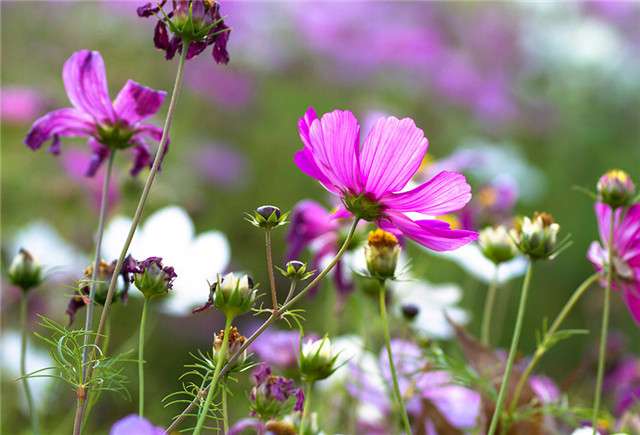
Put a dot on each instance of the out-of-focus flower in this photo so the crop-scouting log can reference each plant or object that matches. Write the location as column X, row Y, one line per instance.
column 278, row 348
column 75, row 163
column 135, row 425
column 433, row 303
column 370, row 186
column 492, row 205
column 231, row 294
column 615, row 188
column 536, row 237
column 221, row 165
column 108, row 126
column 273, row 397
column 25, row 271
column 497, row 245
column 235, row 340
column 544, row 388
column 317, row 359
column 622, row 381
column 381, row 254
column 152, row 278
column 197, row 23
column 196, row 259
column 626, row 253
column 20, row 105
column 234, row 89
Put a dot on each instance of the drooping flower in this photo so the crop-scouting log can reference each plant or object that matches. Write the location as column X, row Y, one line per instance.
column 109, row 126
column 196, row 22
column 626, row 252
column 134, row 424
column 370, row 179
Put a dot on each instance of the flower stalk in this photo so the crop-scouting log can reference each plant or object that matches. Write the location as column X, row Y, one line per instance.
column 513, row 350
column 143, row 321
column 307, row 408
column 272, row 278
column 488, row 308
column 24, row 322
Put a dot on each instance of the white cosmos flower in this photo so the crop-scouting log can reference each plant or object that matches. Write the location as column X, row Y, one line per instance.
column 37, row 359
column 433, row 302
column 169, row 233
column 471, row 259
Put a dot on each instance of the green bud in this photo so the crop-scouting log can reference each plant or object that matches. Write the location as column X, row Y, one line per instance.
column 317, row 360
column 268, row 217
column 25, row 272
column 537, row 237
column 234, row 295
column 616, row 188
column 381, row 254
column 296, row 270
column 497, row 245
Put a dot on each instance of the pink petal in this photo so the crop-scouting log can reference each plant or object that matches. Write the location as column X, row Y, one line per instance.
column 304, row 126
column 603, row 215
column 597, row 256
column 433, row 234
column 62, row 122
column 444, row 193
column 305, row 162
column 149, row 130
column 85, row 81
column 135, row 102
column 334, row 146
column 631, row 295
column 391, row 155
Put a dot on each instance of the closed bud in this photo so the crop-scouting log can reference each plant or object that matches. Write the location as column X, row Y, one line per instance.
column 616, row 188
column 268, row 217
column 296, row 270
column 25, row 272
column 317, row 360
column 536, row 237
column 381, row 254
column 231, row 294
column 152, row 278
column 497, row 245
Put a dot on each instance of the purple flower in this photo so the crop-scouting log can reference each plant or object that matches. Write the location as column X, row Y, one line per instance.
column 19, row 105
column 273, row 396
column 108, row 126
column 221, row 165
column 370, row 179
column 626, row 253
column 278, row 348
column 135, row 425
column 152, row 278
column 197, row 21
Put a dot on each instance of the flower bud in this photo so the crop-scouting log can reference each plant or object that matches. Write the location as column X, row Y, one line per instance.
column 410, row 311
column 231, row 294
column 281, row 427
column 152, row 278
column 25, row 272
column 273, row 397
column 268, row 217
column 381, row 254
column 615, row 188
column 296, row 270
column 317, row 360
column 236, row 340
column 497, row 245
column 537, row 237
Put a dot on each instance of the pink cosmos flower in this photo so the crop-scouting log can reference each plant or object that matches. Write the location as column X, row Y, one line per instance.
column 108, row 126
column 19, row 104
column 626, row 252
column 371, row 179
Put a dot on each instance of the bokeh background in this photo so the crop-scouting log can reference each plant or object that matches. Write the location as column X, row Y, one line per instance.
column 554, row 87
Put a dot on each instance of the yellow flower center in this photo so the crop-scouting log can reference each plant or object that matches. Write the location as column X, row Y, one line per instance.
column 380, row 238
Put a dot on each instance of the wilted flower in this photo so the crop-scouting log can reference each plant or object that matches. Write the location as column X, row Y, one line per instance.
column 626, row 255
column 134, row 424
column 152, row 278
column 108, row 126
column 273, row 397
column 231, row 294
column 235, row 342
column 497, row 245
column 317, row 360
column 536, row 237
column 267, row 216
column 381, row 254
column 370, row 178
column 296, row 270
column 615, row 188
column 194, row 22
column 25, row 272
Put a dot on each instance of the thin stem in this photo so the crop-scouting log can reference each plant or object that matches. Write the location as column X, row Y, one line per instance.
column 272, row 278
column 292, row 290
column 271, row 319
column 512, row 351
column 543, row 346
column 24, row 322
column 143, row 321
column 204, row 411
column 392, row 366
column 225, row 409
column 488, row 308
column 306, row 409
column 605, row 327
column 141, row 203
column 104, row 206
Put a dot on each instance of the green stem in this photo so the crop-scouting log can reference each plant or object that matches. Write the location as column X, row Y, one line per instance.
column 204, row 411
column 225, row 409
column 138, row 215
column 488, row 308
column 143, row 321
column 605, row 327
column 24, row 322
column 306, row 409
column 272, row 278
column 392, row 366
column 512, row 351
column 272, row 318
column 542, row 347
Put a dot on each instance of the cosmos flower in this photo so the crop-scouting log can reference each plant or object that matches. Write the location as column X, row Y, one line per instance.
column 273, row 397
column 134, row 424
column 278, row 348
column 109, row 126
column 370, row 179
column 19, row 104
column 626, row 253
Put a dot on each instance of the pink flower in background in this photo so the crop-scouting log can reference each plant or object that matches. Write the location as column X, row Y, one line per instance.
column 75, row 163
column 108, row 126
column 370, row 178
column 135, row 425
column 626, row 252
column 19, row 105
column 221, row 165
column 233, row 89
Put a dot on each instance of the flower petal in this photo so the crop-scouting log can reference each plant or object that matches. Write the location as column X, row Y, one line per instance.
column 631, row 297
column 135, row 102
column 391, row 155
column 444, row 193
column 99, row 155
column 434, row 234
column 62, row 122
column 85, row 81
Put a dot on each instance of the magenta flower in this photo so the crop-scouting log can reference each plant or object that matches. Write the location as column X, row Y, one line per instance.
column 135, row 425
column 371, row 178
column 108, row 126
column 626, row 252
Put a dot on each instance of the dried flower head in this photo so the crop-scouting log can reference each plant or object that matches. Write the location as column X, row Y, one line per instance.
column 615, row 188
column 236, row 341
column 381, row 254
column 152, row 278
column 25, row 272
